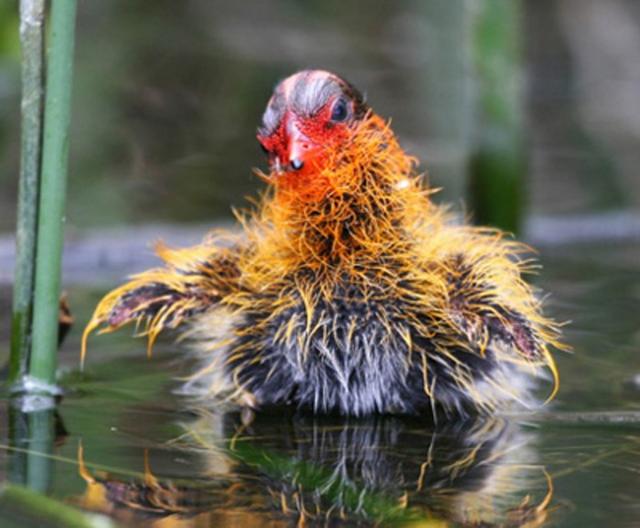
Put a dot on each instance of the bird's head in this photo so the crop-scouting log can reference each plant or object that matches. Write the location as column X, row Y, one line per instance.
column 309, row 114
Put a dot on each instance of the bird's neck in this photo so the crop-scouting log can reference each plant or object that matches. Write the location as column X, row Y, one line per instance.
column 355, row 212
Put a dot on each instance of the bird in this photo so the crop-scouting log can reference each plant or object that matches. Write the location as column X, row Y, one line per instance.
column 346, row 288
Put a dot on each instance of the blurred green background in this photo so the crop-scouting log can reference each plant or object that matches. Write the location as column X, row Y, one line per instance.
column 167, row 97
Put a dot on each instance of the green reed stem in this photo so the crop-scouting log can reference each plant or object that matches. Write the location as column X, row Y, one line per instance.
column 52, row 190
column 32, row 42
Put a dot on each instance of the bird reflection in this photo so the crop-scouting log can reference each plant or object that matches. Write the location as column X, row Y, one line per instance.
column 285, row 468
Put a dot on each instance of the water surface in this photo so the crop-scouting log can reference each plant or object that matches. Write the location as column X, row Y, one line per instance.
column 123, row 444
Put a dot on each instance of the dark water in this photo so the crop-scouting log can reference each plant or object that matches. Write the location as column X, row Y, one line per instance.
column 122, row 444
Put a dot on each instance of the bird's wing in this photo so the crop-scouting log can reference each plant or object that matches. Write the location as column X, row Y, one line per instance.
column 487, row 317
column 191, row 281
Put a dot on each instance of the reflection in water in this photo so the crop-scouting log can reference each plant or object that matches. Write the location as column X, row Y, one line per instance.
column 32, row 438
column 291, row 468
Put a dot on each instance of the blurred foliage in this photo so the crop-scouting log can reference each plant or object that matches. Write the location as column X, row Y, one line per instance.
column 498, row 165
column 168, row 95
column 9, row 30
column 9, row 109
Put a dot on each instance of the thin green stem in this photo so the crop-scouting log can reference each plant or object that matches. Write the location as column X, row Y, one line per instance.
column 52, row 191
column 32, row 41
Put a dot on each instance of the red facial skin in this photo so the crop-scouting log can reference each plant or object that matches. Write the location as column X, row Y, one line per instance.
column 303, row 140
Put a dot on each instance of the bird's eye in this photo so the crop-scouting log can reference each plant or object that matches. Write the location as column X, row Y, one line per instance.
column 340, row 111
